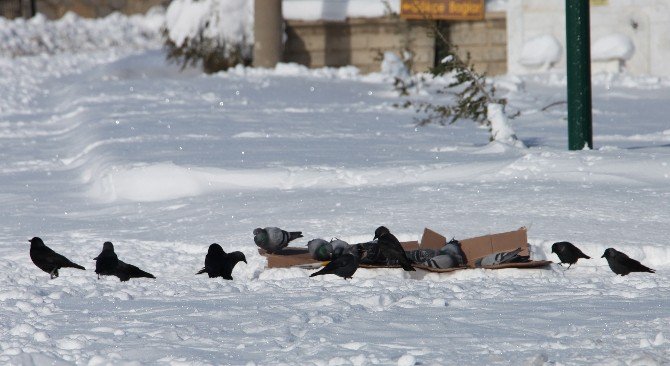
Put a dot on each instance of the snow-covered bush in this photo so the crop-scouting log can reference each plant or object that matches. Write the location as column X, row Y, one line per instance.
column 217, row 34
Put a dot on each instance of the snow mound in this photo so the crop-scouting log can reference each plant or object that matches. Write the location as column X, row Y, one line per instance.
column 228, row 21
column 71, row 33
column 541, row 52
column 613, row 47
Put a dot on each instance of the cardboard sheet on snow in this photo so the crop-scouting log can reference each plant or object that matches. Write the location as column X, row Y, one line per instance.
column 473, row 248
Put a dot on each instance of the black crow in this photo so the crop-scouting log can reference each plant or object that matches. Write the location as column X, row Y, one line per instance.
column 344, row 265
column 48, row 260
column 567, row 253
column 125, row 271
column 621, row 264
column 391, row 249
column 274, row 239
column 107, row 263
column 219, row 263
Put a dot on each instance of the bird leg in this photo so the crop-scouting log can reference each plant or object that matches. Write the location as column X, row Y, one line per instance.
column 54, row 273
column 569, row 267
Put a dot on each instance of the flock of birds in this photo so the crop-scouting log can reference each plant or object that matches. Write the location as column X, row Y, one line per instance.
column 218, row 263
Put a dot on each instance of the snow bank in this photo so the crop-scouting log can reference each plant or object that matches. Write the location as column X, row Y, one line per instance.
column 337, row 10
column 226, row 21
column 541, row 52
column 71, row 33
column 613, row 47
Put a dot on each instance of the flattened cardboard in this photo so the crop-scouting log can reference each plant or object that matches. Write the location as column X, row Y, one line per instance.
column 473, row 248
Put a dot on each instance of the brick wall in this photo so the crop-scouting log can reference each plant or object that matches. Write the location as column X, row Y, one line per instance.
column 485, row 41
column 361, row 41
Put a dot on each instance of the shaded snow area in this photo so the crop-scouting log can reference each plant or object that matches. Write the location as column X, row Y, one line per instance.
column 119, row 146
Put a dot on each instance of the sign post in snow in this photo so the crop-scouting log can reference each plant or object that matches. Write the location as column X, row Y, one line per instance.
column 580, row 132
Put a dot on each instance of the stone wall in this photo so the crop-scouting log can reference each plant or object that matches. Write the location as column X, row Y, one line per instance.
column 359, row 42
column 362, row 41
column 485, row 41
column 54, row 9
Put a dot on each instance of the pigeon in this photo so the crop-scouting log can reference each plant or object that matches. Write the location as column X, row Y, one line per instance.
column 345, row 265
column 453, row 249
column 48, row 260
column 442, row 261
column 622, row 264
column 107, row 263
column 339, row 247
column 567, row 253
column 274, row 239
column 219, row 263
column 320, row 249
column 495, row 259
column 391, row 249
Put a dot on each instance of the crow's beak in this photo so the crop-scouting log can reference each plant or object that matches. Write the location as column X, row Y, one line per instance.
column 245, row 261
column 603, row 256
column 376, row 237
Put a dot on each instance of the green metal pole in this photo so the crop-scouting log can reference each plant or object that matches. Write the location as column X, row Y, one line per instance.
column 578, row 39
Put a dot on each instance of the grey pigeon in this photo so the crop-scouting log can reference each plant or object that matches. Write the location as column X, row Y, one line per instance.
column 218, row 263
column 107, row 263
column 320, row 249
column 567, row 252
column 339, row 247
column 502, row 258
column 274, row 239
column 345, row 265
column 48, row 260
column 442, row 261
column 453, row 248
column 622, row 264
column 421, row 255
column 390, row 247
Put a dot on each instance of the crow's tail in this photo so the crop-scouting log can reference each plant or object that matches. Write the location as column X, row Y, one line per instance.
column 75, row 265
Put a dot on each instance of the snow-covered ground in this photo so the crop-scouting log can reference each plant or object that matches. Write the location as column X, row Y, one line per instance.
column 116, row 145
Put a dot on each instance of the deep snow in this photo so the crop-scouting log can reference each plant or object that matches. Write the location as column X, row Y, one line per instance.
column 116, row 145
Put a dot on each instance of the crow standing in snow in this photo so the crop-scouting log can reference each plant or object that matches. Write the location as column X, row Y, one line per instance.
column 274, row 239
column 344, row 265
column 107, row 263
column 567, row 253
column 219, row 263
column 48, row 260
column 621, row 264
column 391, row 249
